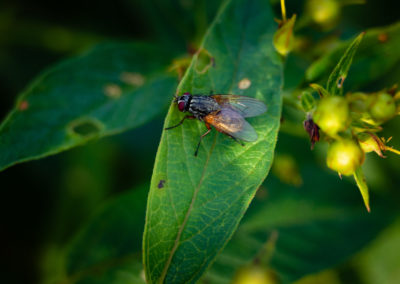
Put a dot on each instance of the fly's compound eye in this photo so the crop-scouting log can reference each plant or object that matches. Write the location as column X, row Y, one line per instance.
column 181, row 106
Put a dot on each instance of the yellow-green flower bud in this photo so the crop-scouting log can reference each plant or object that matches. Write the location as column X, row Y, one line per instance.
column 332, row 114
column 358, row 102
column 344, row 156
column 370, row 142
column 383, row 108
column 324, row 12
column 254, row 274
column 284, row 39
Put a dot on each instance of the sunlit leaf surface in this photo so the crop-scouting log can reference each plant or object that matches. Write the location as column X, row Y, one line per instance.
column 195, row 203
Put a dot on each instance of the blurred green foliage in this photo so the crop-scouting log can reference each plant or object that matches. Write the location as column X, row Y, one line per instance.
column 79, row 215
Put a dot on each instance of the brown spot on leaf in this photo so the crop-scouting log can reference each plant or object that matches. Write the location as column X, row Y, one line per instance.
column 134, row 79
column 383, row 37
column 113, row 91
column 244, row 84
column 23, row 105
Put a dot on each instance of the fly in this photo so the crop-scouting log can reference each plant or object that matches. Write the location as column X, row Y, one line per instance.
column 225, row 112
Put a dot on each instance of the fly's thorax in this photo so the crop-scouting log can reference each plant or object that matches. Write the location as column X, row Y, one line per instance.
column 200, row 106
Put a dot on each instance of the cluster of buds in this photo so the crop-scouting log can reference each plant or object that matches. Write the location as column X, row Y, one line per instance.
column 326, row 13
column 350, row 124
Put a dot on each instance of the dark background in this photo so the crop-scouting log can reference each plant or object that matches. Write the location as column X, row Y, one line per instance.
column 43, row 201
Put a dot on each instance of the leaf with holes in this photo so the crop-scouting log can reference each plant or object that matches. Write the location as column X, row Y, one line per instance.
column 108, row 90
column 107, row 249
column 194, row 213
column 374, row 60
column 339, row 74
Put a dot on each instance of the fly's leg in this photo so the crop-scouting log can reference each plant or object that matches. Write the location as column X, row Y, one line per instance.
column 186, row 117
column 201, row 138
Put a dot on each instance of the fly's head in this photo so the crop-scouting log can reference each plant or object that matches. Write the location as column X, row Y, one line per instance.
column 183, row 101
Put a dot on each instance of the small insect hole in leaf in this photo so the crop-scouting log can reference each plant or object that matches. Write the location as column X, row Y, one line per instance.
column 85, row 127
column 340, row 81
column 204, row 61
column 180, row 65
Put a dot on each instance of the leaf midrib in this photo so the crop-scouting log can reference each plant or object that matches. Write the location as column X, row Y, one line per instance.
column 194, row 197
column 181, row 228
column 230, row 188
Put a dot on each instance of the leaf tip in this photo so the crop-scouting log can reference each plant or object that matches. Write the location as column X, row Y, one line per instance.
column 362, row 185
column 360, row 36
column 368, row 208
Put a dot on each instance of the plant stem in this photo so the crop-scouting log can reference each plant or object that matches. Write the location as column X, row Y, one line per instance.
column 392, row 150
column 283, row 10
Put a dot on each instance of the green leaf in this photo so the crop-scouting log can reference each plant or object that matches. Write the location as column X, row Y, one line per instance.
column 321, row 90
column 106, row 91
column 307, row 101
column 195, row 203
column 385, row 249
column 374, row 60
column 362, row 186
column 316, row 226
column 334, row 85
column 107, row 249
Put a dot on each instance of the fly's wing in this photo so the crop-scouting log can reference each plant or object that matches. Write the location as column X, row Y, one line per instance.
column 246, row 106
column 231, row 122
